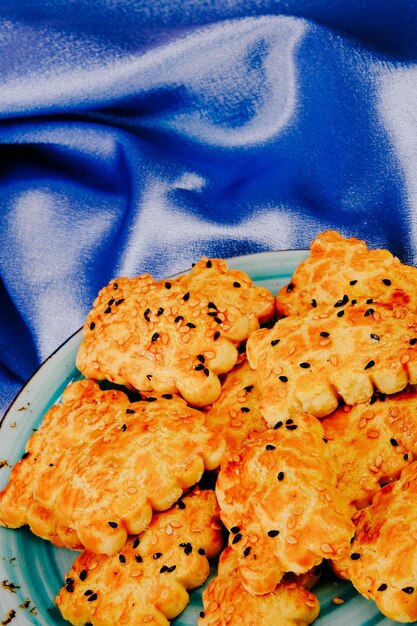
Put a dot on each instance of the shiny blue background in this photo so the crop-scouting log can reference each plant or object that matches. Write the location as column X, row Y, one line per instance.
column 137, row 136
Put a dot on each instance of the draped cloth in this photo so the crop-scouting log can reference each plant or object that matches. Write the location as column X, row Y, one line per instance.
column 137, row 136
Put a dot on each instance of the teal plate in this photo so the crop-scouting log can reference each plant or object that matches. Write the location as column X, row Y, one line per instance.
column 32, row 570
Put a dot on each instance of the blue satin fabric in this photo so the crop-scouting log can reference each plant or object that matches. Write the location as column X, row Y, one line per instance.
column 137, row 136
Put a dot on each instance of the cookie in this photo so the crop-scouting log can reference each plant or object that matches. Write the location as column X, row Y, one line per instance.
column 340, row 268
column 102, row 484
column 371, row 443
column 382, row 563
column 235, row 414
column 158, row 337
column 309, row 362
column 232, row 290
column 226, row 601
column 147, row 581
column 278, row 499
column 84, row 413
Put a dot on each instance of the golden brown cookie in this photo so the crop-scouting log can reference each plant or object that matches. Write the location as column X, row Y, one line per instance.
column 309, row 362
column 341, row 269
column 226, row 601
column 158, row 336
column 371, row 443
column 382, row 563
column 231, row 290
column 236, row 413
column 147, row 581
column 84, row 413
column 278, row 498
column 104, row 482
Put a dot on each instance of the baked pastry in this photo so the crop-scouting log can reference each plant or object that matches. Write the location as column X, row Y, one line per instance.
column 382, row 563
column 84, row 412
column 232, row 290
column 346, row 269
column 147, row 581
column 371, row 443
column 225, row 598
column 166, row 336
column 102, row 484
column 278, row 499
column 235, row 414
column 309, row 362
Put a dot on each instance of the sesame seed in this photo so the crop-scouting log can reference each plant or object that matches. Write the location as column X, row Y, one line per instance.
column 274, row 342
column 186, row 296
column 201, row 551
column 305, row 365
column 167, row 396
column 188, row 548
column 386, row 281
column 200, row 357
column 278, row 425
column 218, row 320
column 167, row 285
column 115, row 286
column 150, row 399
column 408, row 590
column 83, row 574
column 113, row 524
column 154, row 337
column 246, row 551
column 235, row 529
column 108, row 310
column 206, row 371
column 324, row 334
column 209, row 264
column 280, row 476
column 138, row 558
column 370, row 364
column 245, row 409
column 211, row 305
column 373, row 336
column 237, row 538
column 160, row 311
column 136, row 543
column 202, row 614
column 25, row 455
column 283, row 379
column 216, row 335
column 353, row 282
column 89, row 592
column 341, row 302
column 413, row 341
column 393, row 442
column 313, row 303
column 157, row 555
column 92, row 326
column 130, row 410
column 291, row 427
column 355, row 556
column 236, row 284
column 290, row 287
column 199, row 367
column 369, row 301
column 382, row 587
column 122, row 558
column 248, row 388
column 119, row 301
column 111, row 301
column 340, row 314
column 269, row 446
column 273, row 533
column 368, row 312
column 92, row 598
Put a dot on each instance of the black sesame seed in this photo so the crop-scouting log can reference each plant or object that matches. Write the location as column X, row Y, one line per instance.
column 274, row 342
column 211, row 305
column 341, row 302
column 89, row 592
column 269, row 446
column 237, row 538
column 235, row 529
column 246, row 551
column 181, row 504
column 305, row 365
column 216, row 335
column 291, row 427
column 157, row 555
column 92, row 598
column 150, row 399
column 368, row 312
column 273, row 533
column 201, row 551
column 218, row 320
column 171, row 569
column 199, row 367
column 138, row 558
column 200, row 357
column 191, row 325
column 113, row 524
column 354, row 301
column 376, row 337
column 167, row 285
column 278, row 425
column 115, row 286
column 108, row 310
column 209, row 264
column 119, row 301
column 355, row 556
column 25, row 455
column 146, row 312
column 280, row 476
column 382, row 587
column 290, row 287
column 212, row 313
column 313, row 303
column 136, row 543
column 179, row 318
column 340, row 314
column 245, row 409
column 393, row 442
column 83, row 574
column 386, row 281
column 160, row 311
column 111, row 301
column 248, row 388
column 405, row 457
column 167, row 396
column 130, row 410
column 206, row 371
column 149, row 376
column 369, row 301
column 155, row 337
column 413, row 341
column 236, row 284
column 163, row 569
column 324, row 334
column 283, row 379
column 92, row 326
column 353, row 282
column 188, row 548
column 370, row 364
column 202, row 614
column 122, row 558
column 186, row 296
column 408, row 590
